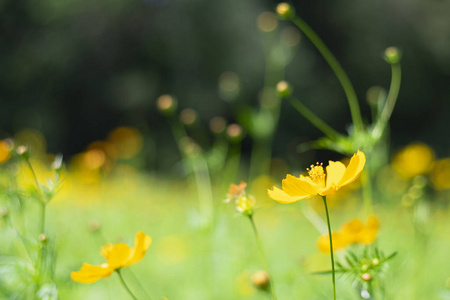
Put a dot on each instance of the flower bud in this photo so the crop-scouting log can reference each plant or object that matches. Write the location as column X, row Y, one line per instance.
column 234, row 132
column 284, row 89
column 364, row 267
column 392, row 55
column 285, row 11
column 188, row 116
column 166, row 104
column 23, row 152
column 43, row 237
column 217, row 125
column 261, row 280
column 3, row 212
column 245, row 204
column 94, row 225
column 57, row 163
column 375, row 262
column 366, row 277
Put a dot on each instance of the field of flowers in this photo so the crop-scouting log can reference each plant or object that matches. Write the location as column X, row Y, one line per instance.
column 372, row 224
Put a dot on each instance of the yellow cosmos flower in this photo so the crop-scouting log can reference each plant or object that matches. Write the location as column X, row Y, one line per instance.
column 117, row 255
column 351, row 233
column 319, row 183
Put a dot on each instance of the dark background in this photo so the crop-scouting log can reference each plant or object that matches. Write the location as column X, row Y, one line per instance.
column 75, row 70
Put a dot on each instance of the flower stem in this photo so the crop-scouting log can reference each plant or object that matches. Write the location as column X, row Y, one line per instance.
column 331, row 247
column 125, row 285
column 43, row 200
column 391, row 99
column 258, row 242
column 337, row 69
column 313, row 119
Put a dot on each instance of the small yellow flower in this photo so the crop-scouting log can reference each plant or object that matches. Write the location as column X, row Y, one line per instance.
column 118, row 256
column 5, row 151
column 351, row 233
column 319, row 183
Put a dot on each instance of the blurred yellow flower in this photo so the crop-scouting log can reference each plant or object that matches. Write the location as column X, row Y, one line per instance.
column 440, row 176
column 319, row 183
column 118, row 256
column 5, row 151
column 413, row 160
column 351, row 232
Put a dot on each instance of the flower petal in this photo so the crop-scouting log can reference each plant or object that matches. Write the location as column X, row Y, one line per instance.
column 354, row 169
column 118, row 255
column 299, row 186
column 335, row 172
column 281, row 196
column 141, row 244
column 106, row 250
column 89, row 273
column 339, row 242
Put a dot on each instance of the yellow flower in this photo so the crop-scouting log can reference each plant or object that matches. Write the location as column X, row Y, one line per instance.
column 351, row 233
column 413, row 160
column 5, row 151
column 356, row 232
column 318, row 183
column 118, row 256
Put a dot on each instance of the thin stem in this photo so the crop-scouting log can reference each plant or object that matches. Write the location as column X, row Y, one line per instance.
column 125, row 285
column 258, row 242
column 391, row 100
column 43, row 201
column 331, row 247
column 140, row 284
column 315, row 120
column 337, row 69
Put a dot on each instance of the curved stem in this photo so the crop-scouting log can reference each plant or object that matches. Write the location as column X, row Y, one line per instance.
column 258, row 242
column 331, row 247
column 337, row 69
column 125, row 285
column 315, row 120
column 391, row 100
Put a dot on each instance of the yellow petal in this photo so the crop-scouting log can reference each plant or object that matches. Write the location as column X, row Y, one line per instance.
column 369, row 233
column 339, row 242
column 141, row 244
column 89, row 273
column 354, row 169
column 106, row 250
column 280, row 196
column 335, row 172
column 352, row 230
column 118, row 255
column 299, row 186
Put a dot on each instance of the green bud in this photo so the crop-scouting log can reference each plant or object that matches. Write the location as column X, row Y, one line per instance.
column 166, row 104
column 261, row 280
column 245, row 204
column 23, row 152
column 284, row 89
column 392, row 55
column 366, row 277
column 43, row 237
column 285, row 11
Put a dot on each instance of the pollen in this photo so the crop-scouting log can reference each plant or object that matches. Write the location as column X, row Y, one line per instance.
column 316, row 172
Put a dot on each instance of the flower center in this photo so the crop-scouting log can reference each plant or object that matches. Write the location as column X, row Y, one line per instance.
column 316, row 173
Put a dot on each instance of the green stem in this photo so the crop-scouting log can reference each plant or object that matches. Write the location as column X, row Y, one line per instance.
column 331, row 247
column 258, row 242
column 337, row 69
column 125, row 285
column 315, row 120
column 43, row 201
column 140, row 284
column 391, row 100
